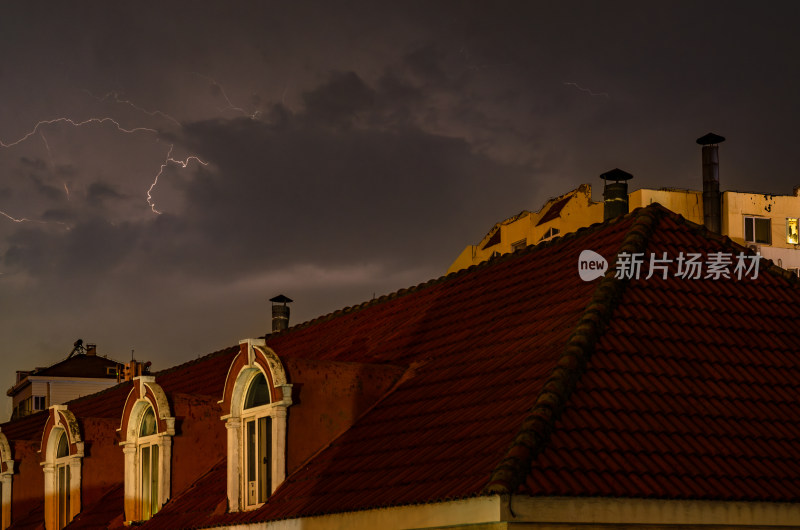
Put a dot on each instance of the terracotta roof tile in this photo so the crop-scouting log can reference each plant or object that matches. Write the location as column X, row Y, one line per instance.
column 529, row 379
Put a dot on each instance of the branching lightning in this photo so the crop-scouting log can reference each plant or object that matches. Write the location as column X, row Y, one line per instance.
column 587, row 90
column 169, row 160
column 74, row 123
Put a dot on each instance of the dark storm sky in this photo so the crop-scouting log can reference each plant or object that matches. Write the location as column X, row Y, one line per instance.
column 347, row 148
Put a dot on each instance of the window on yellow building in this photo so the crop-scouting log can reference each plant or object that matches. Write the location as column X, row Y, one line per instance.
column 518, row 245
column 791, row 231
column 550, row 234
column 757, row 230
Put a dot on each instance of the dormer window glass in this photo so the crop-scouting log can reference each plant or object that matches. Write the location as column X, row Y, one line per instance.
column 257, row 393
column 63, row 480
column 257, row 427
column 148, row 465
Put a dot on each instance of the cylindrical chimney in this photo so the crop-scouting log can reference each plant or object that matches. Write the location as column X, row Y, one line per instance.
column 280, row 313
column 711, row 197
column 615, row 193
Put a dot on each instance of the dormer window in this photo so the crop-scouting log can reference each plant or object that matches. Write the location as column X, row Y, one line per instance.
column 257, row 396
column 6, row 475
column 63, row 452
column 147, row 429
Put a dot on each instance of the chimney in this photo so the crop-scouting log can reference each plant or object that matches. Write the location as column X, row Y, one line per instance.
column 132, row 369
column 615, row 193
column 280, row 313
column 711, row 196
column 91, row 349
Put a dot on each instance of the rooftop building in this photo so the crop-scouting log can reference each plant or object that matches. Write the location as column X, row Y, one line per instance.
column 765, row 222
column 515, row 394
column 83, row 372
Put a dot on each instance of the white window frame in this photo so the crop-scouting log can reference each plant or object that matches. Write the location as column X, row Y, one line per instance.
column 248, row 416
column 150, row 443
column 6, row 478
column 146, row 394
column 61, row 421
column 754, row 240
column 259, row 360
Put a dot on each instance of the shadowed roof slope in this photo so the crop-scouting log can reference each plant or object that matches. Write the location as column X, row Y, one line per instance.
column 480, row 345
column 523, row 378
column 692, row 392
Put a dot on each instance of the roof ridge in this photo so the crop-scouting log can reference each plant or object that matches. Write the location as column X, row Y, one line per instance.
column 770, row 266
column 535, row 430
column 535, row 247
column 200, row 359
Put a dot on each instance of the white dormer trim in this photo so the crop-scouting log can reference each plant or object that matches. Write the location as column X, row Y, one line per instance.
column 254, row 358
column 61, row 421
column 146, row 394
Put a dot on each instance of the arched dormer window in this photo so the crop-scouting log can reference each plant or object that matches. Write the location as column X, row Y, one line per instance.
column 147, row 429
column 256, row 397
column 62, row 448
column 6, row 475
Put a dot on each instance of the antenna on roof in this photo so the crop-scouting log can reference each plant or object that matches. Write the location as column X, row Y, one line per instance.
column 77, row 348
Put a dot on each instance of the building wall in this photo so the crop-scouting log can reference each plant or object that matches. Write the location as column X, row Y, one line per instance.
column 200, row 439
column 28, row 483
column 778, row 208
column 526, row 228
column 688, row 203
column 105, row 469
column 62, row 390
column 580, row 211
column 333, row 395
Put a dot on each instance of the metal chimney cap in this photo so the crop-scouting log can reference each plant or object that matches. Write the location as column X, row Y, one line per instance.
column 710, row 139
column 616, row 175
column 281, row 299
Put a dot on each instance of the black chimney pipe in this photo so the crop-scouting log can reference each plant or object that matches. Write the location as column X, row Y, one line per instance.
column 615, row 193
column 280, row 313
column 712, row 218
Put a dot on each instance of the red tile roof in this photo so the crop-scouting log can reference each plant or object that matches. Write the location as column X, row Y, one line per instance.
column 523, row 378
column 482, row 343
column 691, row 392
column 650, row 388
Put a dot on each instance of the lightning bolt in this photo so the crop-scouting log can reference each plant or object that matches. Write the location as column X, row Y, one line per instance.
column 587, row 90
column 169, row 160
column 76, row 124
column 230, row 106
column 50, row 158
column 117, row 99
column 22, row 219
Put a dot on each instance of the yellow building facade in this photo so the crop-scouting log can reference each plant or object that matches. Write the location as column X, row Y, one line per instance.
column 766, row 223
